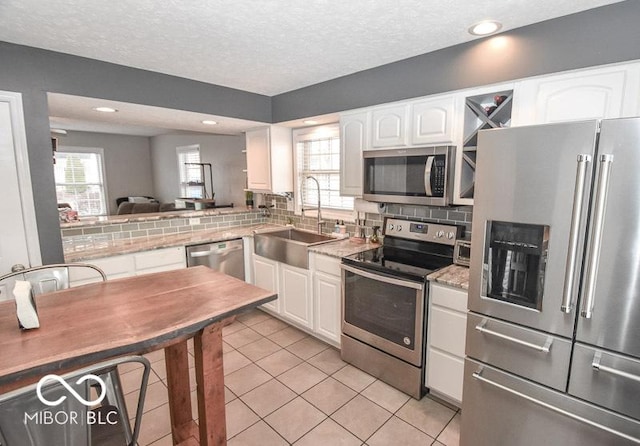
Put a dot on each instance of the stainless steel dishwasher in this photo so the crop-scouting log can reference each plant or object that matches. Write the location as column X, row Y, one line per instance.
column 226, row 257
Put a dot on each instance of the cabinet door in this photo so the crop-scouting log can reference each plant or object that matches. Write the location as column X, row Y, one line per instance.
column 327, row 307
column 258, row 159
column 610, row 92
column 353, row 140
column 295, row 293
column 432, row 121
column 389, row 126
column 265, row 275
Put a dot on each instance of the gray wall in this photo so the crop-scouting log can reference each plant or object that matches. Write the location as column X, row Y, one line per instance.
column 595, row 37
column 223, row 152
column 34, row 72
column 127, row 162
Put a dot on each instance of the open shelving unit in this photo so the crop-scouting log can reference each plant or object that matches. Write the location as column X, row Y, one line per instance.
column 478, row 116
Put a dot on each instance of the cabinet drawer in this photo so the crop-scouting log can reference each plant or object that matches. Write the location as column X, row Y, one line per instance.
column 326, row 264
column 448, row 330
column 113, row 267
column 445, row 374
column 159, row 258
column 445, row 296
column 515, row 349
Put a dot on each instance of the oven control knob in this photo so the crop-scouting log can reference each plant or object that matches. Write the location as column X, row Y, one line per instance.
column 390, row 226
column 407, row 340
column 399, row 227
column 450, row 235
column 440, row 234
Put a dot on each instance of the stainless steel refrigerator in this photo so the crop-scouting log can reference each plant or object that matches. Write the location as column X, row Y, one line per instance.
column 553, row 335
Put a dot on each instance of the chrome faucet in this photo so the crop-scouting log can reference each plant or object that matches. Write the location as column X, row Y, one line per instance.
column 320, row 222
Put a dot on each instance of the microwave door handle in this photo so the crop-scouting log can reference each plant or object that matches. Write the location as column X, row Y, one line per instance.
column 427, row 175
column 574, row 234
column 595, row 237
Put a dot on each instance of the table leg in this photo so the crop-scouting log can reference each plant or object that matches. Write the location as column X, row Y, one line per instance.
column 210, row 379
column 177, row 362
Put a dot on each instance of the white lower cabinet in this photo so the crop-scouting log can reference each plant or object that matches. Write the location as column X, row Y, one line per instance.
column 446, row 341
column 127, row 265
column 265, row 275
column 158, row 260
column 307, row 298
column 327, row 288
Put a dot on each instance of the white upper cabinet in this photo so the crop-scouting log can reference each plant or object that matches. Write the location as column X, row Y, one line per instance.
column 269, row 159
column 354, row 138
column 432, row 121
column 389, row 126
column 608, row 92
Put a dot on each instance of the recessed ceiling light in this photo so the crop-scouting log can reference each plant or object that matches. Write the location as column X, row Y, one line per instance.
column 209, row 122
column 309, row 122
column 485, row 28
column 105, row 109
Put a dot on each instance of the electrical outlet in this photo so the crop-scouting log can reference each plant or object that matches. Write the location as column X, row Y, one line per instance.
column 194, row 221
column 273, row 202
column 290, row 204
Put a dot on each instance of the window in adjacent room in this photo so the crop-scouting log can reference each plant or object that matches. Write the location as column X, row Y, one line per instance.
column 80, row 179
column 191, row 181
column 317, row 151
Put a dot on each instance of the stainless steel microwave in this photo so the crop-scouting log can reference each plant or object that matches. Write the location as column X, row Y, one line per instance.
column 422, row 176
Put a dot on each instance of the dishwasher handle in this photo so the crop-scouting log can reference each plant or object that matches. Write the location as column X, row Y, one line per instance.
column 216, row 251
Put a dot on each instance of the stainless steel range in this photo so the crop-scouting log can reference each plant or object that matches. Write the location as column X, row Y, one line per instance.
column 384, row 301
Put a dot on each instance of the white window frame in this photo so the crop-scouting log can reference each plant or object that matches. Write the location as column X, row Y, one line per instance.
column 182, row 189
column 322, row 131
column 103, row 173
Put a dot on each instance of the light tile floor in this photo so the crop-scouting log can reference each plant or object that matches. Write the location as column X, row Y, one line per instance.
column 284, row 387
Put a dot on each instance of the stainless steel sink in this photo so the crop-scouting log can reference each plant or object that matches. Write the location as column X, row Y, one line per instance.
column 289, row 245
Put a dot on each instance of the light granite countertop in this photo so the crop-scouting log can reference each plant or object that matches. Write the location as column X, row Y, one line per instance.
column 452, row 275
column 152, row 216
column 96, row 247
column 342, row 248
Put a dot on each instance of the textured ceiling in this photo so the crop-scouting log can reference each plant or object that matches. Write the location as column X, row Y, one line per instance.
column 261, row 46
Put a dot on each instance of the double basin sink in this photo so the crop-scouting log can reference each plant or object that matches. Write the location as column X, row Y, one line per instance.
column 290, row 246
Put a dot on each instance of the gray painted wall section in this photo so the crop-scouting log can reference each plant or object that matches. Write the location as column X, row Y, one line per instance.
column 34, row 72
column 127, row 162
column 596, row 37
column 222, row 151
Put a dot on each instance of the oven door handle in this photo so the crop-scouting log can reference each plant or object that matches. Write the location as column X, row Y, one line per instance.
column 382, row 278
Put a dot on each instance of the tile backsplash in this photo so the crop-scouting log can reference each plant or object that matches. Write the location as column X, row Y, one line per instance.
column 453, row 215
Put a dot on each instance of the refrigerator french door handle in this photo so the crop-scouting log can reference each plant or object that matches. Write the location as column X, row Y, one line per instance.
column 574, row 234
column 477, row 375
column 427, row 175
column 541, row 348
column 595, row 237
column 603, row 368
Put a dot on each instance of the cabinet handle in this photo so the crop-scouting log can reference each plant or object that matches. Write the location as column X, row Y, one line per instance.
column 477, row 375
column 541, row 348
column 576, row 215
column 603, row 368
